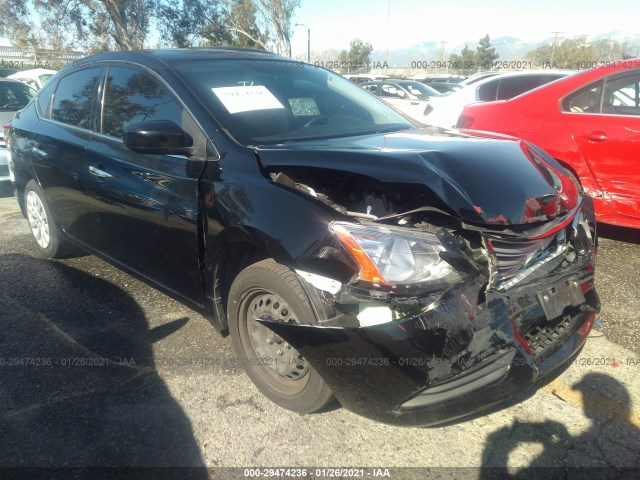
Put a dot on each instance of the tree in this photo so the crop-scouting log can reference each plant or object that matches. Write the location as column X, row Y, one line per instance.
column 467, row 59
column 357, row 59
column 238, row 26
column 63, row 24
column 262, row 24
column 279, row 13
column 574, row 53
column 482, row 58
column 184, row 24
column 485, row 53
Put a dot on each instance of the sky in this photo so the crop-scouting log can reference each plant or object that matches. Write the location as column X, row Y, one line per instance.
column 404, row 23
column 334, row 23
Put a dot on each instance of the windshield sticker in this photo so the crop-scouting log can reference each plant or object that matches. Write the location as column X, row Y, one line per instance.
column 303, row 107
column 246, row 99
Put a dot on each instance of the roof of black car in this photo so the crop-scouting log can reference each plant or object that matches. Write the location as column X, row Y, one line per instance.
column 180, row 54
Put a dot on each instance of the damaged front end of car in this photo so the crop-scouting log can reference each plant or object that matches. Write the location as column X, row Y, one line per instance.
column 452, row 307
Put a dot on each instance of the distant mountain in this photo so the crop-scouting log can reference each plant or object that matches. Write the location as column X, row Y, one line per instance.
column 421, row 56
column 619, row 36
column 509, row 48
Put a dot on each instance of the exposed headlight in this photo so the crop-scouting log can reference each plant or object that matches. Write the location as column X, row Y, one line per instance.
column 394, row 255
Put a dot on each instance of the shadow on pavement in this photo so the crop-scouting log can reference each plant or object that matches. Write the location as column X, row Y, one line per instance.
column 78, row 385
column 622, row 234
column 610, row 448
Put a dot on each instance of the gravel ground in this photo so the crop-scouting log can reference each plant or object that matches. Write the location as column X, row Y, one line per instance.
column 102, row 388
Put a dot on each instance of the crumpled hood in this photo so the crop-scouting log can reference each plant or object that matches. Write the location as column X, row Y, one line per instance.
column 482, row 180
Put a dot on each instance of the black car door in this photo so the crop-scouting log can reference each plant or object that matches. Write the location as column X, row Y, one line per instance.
column 58, row 150
column 145, row 206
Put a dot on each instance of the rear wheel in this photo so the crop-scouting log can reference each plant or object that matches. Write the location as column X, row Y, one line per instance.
column 269, row 289
column 43, row 228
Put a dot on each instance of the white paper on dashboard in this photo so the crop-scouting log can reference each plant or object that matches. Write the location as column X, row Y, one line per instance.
column 246, row 99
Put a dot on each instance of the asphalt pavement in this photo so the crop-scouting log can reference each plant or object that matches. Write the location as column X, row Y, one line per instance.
column 98, row 369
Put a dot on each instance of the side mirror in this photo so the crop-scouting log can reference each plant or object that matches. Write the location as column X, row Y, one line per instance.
column 160, row 137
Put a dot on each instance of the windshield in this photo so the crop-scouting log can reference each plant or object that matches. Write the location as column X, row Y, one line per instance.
column 273, row 101
column 14, row 95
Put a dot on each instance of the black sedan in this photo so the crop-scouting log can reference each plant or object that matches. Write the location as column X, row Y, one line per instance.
column 417, row 274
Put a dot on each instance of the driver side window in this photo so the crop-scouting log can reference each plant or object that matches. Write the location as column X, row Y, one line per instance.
column 132, row 96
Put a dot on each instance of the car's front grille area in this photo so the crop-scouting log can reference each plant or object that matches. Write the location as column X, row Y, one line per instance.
column 514, row 257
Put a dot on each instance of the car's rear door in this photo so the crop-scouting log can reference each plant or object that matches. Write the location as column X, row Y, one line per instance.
column 605, row 121
column 145, row 206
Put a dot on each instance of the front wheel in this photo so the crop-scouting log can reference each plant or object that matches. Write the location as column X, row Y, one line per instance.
column 268, row 289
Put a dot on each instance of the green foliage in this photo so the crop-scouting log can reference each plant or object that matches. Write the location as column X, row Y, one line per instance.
column 576, row 53
column 262, row 24
column 94, row 25
column 486, row 54
column 467, row 58
column 357, row 59
column 183, row 24
column 480, row 59
column 568, row 54
column 237, row 25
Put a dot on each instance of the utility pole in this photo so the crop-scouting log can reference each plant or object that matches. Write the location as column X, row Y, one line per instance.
column 308, row 40
column 554, row 43
column 386, row 56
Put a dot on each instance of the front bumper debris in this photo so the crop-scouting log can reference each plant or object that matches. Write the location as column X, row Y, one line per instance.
column 476, row 347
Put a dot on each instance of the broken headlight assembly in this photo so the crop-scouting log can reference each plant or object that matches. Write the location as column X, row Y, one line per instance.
column 394, row 256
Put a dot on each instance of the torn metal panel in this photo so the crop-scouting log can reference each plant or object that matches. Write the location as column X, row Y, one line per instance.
column 437, row 166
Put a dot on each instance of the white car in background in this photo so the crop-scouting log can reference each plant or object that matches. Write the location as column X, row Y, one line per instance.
column 14, row 96
column 35, row 78
column 444, row 111
column 408, row 96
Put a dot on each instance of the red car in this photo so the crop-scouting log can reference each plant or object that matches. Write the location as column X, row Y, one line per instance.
column 590, row 122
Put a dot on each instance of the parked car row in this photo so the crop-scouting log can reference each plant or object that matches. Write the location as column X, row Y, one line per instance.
column 588, row 121
column 446, row 110
column 416, row 274
column 408, row 96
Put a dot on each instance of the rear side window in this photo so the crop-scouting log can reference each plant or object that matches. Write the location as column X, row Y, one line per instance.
column 585, row 100
column 74, row 98
column 132, row 96
column 43, row 101
column 512, row 87
column 488, row 91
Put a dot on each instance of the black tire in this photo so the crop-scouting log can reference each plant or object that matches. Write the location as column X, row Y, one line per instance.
column 269, row 288
column 51, row 244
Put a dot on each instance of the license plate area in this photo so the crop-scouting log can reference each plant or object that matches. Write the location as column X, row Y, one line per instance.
column 560, row 295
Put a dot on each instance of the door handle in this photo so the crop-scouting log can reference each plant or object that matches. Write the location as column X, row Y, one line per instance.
column 596, row 136
column 96, row 172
